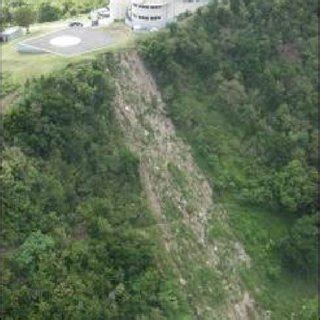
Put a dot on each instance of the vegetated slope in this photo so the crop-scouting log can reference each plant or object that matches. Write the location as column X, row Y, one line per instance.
column 180, row 197
column 79, row 241
column 239, row 82
column 77, row 238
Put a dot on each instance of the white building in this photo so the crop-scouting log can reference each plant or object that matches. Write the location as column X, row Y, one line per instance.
column 119, row 8
column 151, row 14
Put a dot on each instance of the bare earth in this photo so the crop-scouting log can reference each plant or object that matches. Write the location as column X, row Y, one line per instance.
column 151, row 135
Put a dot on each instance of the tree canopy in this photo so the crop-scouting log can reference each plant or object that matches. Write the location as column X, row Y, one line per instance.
column 77, row 236
column 239, row 80
column 24, row 16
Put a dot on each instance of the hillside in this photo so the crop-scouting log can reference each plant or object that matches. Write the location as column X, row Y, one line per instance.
column 180, row 198
column 93, row 230
column 176, row 180
column 240, row 85
column 78, row 241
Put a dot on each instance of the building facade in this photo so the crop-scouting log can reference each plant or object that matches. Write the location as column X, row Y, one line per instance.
column 151, row 14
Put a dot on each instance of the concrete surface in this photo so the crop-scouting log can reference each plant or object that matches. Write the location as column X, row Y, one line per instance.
column 90, row 39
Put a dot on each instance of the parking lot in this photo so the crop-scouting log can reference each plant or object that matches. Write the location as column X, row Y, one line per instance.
column 68, row 42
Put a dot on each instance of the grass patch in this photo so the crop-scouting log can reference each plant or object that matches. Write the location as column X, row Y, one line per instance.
column 170, row 210
column 276, row 288
column 178, row 176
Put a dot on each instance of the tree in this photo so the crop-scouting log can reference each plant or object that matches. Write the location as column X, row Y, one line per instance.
column 24, row 17
column 68, row 8
column 295, row 187
column 299, row 249
column 5, row 17
column 32, row 250
column 235, row 6
column 48, row 12
column 16, row 3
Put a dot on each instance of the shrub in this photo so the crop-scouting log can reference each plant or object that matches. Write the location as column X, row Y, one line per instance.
column 299, row 249
column 48, row 12
column 24, row 17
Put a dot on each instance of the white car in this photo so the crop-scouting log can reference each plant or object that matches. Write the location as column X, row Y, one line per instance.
column 104, row 12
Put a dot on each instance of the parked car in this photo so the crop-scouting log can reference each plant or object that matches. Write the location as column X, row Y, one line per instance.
column 94, row 23
column 75, row 24
column 10, row 34
column 104, row 12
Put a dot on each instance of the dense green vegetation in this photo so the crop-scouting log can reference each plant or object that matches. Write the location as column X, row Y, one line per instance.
column 240, row 83
column 77, row 241
column 46, row 11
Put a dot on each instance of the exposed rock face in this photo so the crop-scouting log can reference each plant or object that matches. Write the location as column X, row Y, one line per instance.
column 245, row 309
column 169, row 173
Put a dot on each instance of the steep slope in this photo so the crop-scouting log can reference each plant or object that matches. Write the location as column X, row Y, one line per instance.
column 181, row 200
column 239, row 82
column 210, row 214
column 77, row 237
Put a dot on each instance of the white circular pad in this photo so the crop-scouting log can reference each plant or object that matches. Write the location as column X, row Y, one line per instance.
column 65, row 41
